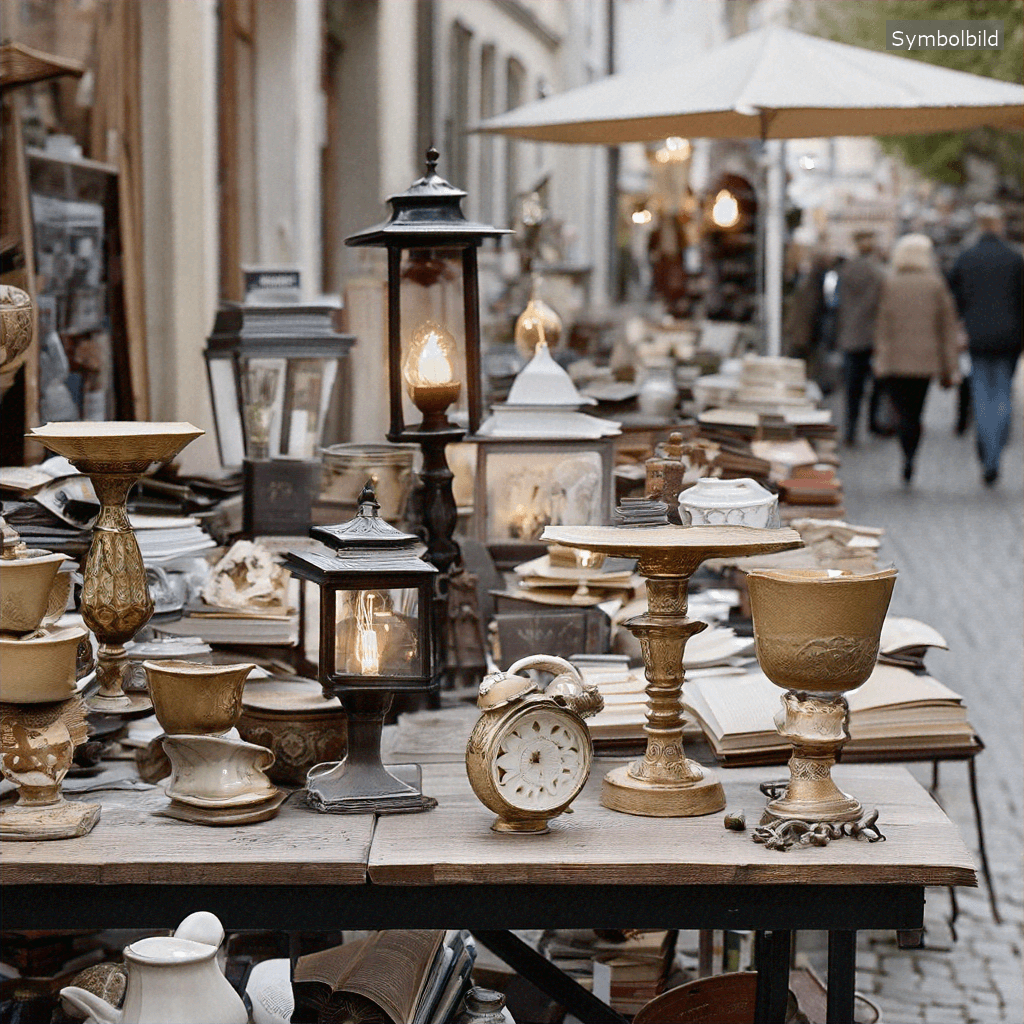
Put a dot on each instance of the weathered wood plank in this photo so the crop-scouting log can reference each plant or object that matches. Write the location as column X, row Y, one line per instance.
column 130, row 845
column 454, row 843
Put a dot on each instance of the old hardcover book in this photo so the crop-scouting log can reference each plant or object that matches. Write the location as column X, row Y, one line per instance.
column 895, row 710
column 382, row 978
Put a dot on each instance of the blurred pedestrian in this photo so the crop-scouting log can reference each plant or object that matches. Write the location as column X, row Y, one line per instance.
column 987, row 280
column 860, row 284
column 916, row 337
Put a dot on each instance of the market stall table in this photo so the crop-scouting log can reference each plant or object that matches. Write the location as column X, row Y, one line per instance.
column 596, row 868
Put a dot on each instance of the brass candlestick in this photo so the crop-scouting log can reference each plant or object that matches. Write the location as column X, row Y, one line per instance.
column 116, row 602
column 665, row 783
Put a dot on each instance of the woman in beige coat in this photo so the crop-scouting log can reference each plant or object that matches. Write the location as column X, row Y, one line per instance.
column 916, row 337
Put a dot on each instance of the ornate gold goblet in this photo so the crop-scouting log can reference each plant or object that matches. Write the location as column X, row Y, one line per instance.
column 116, row 602
column 816, row 634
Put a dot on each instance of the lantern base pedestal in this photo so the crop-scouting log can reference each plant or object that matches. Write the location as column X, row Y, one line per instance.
column 621, row 791
column 343, row 788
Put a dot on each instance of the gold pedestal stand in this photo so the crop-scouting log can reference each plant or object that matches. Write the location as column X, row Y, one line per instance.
column 116, row 602
column 816, row 726
column 665, row 783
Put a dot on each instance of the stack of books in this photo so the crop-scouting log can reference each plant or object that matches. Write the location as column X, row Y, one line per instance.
column 164, row 539
column 625, row 969
column 905, row 642
column 559, row 578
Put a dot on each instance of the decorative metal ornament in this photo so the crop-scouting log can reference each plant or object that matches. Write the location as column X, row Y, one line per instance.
column 530, row 753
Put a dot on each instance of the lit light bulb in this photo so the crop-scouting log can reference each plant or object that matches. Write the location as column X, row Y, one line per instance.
column 726, row 211
column 367, row 641
column 429, row 371
column 538, row 324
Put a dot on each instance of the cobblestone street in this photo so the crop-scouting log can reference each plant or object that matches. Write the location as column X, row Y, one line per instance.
column 958, row 548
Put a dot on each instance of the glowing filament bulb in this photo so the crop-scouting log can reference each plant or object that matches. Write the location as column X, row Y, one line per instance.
column 367, row 643
column 726, row 211
column 431, row 357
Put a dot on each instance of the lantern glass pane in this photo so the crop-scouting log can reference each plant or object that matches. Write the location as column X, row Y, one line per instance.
column 431, row 294
column 307, row 395
column 527, row 491
column 377, row 633
column 286, row 402
column 263, row 399
column 224, row 391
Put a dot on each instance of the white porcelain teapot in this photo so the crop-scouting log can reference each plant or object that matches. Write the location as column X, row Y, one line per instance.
column 171, row 980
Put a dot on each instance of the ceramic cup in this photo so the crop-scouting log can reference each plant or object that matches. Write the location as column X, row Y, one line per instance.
column 212, row 771
column 37, row 669
column 194, row 699
column 25, row 587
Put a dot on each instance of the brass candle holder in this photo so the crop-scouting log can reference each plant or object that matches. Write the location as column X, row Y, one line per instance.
column 816, row 634
column 116, row 602
column 665, row 783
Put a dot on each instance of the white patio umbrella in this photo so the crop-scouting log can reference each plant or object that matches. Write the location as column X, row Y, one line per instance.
column 773, row 83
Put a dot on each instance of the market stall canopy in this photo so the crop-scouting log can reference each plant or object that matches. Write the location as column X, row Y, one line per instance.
column 773, row 83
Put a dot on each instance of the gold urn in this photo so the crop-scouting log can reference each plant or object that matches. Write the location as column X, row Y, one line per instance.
column 530, row 753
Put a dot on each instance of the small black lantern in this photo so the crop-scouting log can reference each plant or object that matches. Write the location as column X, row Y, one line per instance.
column 274, row 372
column 376, row 639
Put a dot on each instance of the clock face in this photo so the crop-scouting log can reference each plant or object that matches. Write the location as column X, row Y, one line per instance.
column 542, row 760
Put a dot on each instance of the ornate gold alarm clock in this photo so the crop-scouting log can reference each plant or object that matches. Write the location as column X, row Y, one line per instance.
column 529, row 755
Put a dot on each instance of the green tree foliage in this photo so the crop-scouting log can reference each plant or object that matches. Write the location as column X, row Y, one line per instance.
column 941, row 156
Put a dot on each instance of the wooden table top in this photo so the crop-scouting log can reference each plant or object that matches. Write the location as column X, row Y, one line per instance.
column 593, row 845
column 130, row 845
column 454, row 843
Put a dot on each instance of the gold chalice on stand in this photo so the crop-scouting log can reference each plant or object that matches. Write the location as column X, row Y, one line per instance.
column 816, row 634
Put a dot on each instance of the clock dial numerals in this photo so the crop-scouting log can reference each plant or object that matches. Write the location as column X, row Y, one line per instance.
column 540, row 761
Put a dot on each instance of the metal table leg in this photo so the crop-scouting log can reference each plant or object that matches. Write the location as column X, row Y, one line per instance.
column 842, row 974
column 985, row 870
column 772, row 954
column 548, row 978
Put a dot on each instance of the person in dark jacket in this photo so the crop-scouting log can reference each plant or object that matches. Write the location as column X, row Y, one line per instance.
column 986, row 281
column 860, row 284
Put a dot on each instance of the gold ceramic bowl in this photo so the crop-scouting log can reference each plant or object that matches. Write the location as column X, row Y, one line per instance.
column 196, row 700
column 40, row 669
column 25, row 585
column 115, row 446
column 817, row 632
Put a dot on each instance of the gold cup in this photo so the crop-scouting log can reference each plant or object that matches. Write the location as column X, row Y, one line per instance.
column 196, row 700
column 816, row 634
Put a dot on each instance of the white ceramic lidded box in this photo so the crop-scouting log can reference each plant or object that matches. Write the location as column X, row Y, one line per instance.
column 743, row 502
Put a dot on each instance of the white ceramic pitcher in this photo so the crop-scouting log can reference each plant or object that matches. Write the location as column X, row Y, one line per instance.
column 173, row 980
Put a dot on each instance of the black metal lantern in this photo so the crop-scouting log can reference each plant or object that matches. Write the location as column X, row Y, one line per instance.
column 433, row 334
column 376, row 639
column 274, row 372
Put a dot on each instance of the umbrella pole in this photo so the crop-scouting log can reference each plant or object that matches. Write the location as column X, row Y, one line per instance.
column 773, row 244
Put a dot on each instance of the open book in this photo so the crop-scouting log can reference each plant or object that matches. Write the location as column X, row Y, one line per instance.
column 390, row 977
column 895, row 710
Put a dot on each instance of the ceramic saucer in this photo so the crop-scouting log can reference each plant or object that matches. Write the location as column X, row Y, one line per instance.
column 228, row 816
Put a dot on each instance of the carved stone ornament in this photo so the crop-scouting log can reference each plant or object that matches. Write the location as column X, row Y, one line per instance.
column 37, row 743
